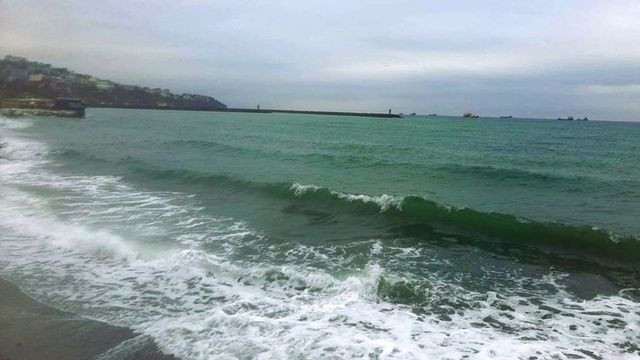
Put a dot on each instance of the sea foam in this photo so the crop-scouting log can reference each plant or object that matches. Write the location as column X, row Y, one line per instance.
column 384, row 201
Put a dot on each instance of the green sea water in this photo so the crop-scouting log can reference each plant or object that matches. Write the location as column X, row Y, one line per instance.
column 269, row 236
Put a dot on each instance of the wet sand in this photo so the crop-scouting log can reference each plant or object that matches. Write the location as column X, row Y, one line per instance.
column 30, row 330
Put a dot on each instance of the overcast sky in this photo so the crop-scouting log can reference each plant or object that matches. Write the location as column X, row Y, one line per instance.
column 536, row 58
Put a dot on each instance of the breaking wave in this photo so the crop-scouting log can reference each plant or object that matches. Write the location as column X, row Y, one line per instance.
column 574, row 239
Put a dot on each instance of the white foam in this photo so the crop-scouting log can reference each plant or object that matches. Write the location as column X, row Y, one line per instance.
column 300, row 189
column 14, row 124
column 26, row 216
column 384, row 201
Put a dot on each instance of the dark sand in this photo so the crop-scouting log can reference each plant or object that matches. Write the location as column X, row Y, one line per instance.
column 30, row 330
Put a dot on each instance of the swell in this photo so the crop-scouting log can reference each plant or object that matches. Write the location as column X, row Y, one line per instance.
column 575, row 182
column 498, row 173
column 360, row 155
column 364, row 159
column 409, row 210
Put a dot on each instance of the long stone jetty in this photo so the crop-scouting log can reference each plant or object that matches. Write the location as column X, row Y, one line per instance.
column 263, row 111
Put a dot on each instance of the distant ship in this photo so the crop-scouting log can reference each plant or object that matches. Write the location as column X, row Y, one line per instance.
column 434, row 114
column 413, row 114
column 506, row 117
column 570, row 118
column 470, row 116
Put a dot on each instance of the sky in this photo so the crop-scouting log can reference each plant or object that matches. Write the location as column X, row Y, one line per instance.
column 536, row 58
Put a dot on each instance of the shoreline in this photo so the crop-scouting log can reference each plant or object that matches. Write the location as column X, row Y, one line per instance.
column 31, row 330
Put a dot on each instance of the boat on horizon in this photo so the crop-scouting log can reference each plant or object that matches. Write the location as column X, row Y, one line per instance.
column 470, row 116
column 506, row 117
column 570, row 118
column 433, row 114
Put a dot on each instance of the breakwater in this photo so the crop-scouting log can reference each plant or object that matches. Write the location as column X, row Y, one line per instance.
column 265, row 111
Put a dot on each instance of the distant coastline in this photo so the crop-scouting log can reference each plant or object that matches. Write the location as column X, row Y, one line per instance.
column 21, row 78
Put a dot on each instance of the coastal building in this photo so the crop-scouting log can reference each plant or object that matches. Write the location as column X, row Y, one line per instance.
column 37, row 67
column 104, row 85
column 35, row 78
column 83, row 80
column 14, row 59
column 68, row 104
column 16, row 74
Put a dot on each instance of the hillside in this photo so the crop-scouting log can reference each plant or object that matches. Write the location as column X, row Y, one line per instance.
column 21, row 78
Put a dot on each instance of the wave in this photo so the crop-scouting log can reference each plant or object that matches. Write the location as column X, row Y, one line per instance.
column 579, row 183
column 415, row 209
column 359, row 155
column 503, row 173
column 32, row 220
column 476, row 225
column 527, row 176
column 411, row 210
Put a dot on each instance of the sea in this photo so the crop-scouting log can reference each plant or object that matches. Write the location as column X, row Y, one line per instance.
column 285, row 236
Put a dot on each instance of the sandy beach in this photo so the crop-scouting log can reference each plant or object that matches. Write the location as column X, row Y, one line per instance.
column 30, row 330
